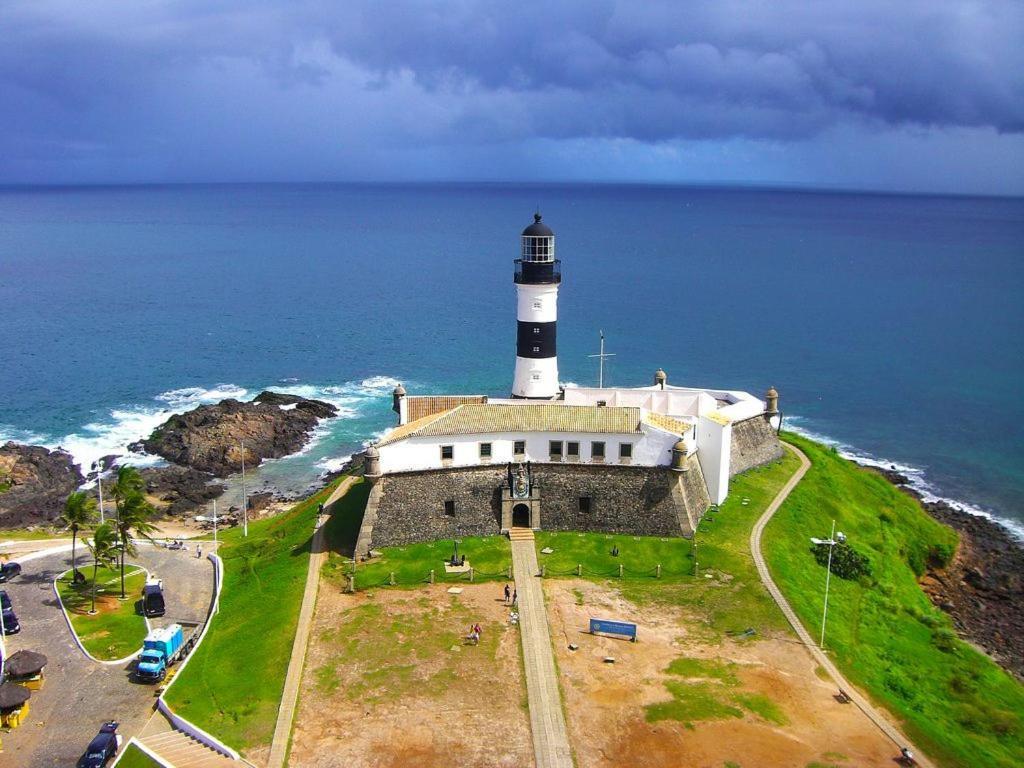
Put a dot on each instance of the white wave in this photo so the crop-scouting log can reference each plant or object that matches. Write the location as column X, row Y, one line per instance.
column 381, row 384
column 22, row 436
column 570, row 385
column 188, row 398
column 916, row 476
column 333, row 463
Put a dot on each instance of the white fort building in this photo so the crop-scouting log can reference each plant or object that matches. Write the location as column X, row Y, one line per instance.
column 645, row 460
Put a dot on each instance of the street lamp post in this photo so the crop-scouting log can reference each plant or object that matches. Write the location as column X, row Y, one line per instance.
column 215, row 524
column 245, row 504
column 98, row 468
column 831, row 541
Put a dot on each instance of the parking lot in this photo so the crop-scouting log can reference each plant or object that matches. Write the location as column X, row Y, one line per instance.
column 79, row 694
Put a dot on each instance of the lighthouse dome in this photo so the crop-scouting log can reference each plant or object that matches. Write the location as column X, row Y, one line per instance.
column 538, row 228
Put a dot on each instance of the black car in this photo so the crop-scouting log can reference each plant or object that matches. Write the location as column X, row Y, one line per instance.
column 103, row 747
column 8, row 571
column 153, row 599
column 11, row 625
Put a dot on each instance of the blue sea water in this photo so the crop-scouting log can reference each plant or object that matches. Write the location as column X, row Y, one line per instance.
column 890, row 324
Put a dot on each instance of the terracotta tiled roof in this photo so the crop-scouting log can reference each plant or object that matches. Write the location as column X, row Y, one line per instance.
column 471, row 419
column 421, row 406
column 667, row 423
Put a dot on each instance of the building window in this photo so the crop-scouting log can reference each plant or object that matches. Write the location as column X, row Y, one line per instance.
column 625, row 450
column 585, row 505
column 536, row 305
column 555, row 449
column 572, row 449
column 536, row 349
column 449, row 508
column 535, row 377
column 485, row 450
column 597, row 451
column 602, row 403
column 447, row 452
column 536, row 329
column 519, row 447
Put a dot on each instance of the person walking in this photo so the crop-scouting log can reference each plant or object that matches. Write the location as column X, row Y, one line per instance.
column 199, row 551
column 508, row 594
column 515, row 597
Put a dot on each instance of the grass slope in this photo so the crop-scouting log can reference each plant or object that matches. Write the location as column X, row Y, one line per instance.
column 883, row 631
column 638, row 555
column 117, row 629
column 232, row 686
column 133, row 757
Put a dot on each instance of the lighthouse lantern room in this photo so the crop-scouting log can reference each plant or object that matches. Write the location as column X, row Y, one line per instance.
column 537, row 277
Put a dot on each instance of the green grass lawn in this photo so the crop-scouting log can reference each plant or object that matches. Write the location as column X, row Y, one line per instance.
column 883, row 631
column 638, row 555
column 23, row 534
column 133, row 757
column 118, row 628
column 490, row 557
column 232, row 687
column 727, row 595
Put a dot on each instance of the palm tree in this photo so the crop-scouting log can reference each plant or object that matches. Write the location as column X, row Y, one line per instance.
column 128, row 481
column 79, row 512
column 133, row 515
column 104, row 552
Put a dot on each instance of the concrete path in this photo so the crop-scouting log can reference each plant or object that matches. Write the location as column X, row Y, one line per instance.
column 290, row 696
column 550, row 738
column 898, row 738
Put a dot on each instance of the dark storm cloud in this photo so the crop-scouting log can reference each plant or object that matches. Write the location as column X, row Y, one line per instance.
column 171, row 84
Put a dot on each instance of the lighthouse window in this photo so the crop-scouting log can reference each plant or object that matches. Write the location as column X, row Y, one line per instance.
column 447, row 452
column 485, row 450
column 536, row 329
column 536, row 349
column 536, row 305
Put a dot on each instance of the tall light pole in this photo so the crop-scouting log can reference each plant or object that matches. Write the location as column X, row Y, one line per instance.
column 98, row 468
column 831, row 541
column 215, row 524
column 245, row 504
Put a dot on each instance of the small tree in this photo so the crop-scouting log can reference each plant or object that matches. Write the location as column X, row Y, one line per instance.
column 79, row 513
column 128, row 481
column 133, row 515
column 104, row 552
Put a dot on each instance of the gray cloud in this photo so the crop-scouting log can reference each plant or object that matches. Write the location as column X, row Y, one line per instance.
column 107, row 84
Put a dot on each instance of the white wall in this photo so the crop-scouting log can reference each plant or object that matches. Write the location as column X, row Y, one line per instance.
column 651, row 448
column 715, row 441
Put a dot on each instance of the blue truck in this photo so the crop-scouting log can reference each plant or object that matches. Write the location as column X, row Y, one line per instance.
column 162, row 648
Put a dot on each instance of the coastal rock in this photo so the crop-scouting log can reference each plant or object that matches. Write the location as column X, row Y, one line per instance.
column 34, row 482
column 210, row 438
column 181, row 490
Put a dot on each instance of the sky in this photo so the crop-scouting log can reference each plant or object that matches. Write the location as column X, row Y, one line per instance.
column 892, row 95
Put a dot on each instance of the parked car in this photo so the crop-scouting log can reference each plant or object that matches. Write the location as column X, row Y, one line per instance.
column 8, row 571
column 11, row 625
column 102, row 747
column 153, row 597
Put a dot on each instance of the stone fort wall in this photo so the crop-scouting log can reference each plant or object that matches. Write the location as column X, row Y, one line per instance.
column 637, row 500
column 753, row 443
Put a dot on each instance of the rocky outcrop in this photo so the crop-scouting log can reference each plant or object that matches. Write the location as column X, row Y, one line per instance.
column 982, row 589
column 34, row 482
column 180, row 490
column 210, row 438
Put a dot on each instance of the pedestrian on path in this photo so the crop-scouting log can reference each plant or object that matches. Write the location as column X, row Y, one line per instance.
column 515, row 597
column 508, row 594
column 199, row 551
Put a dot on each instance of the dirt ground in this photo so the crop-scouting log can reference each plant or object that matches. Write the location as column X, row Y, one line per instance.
column 744, row 704
column 389, row 681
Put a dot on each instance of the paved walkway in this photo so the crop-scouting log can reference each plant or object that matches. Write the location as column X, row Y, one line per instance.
column 897, row 737
column 290, row 696
column 550, row 739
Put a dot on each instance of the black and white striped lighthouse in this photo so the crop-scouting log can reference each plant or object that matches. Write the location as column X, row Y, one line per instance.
column 538, row 274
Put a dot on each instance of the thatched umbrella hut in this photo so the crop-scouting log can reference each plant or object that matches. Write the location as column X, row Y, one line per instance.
column 26, row 668
column 13, row 704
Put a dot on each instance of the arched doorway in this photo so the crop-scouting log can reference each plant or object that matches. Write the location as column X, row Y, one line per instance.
column 520, row 516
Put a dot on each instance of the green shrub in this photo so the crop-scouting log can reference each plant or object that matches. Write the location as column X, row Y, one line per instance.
column 847, row 562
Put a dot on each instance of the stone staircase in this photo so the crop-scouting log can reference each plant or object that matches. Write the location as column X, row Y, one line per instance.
column 520, row 534
column 182, row 751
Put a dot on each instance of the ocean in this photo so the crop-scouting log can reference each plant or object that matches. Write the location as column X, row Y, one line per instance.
column 890, row 324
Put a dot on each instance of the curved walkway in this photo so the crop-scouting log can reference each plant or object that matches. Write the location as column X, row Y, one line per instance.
column 897, row 737
column 292, row 680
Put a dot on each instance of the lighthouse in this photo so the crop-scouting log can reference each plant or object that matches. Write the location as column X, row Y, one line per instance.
column 537, row 277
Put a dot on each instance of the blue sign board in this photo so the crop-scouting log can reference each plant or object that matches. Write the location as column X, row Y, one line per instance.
column 613, row 628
